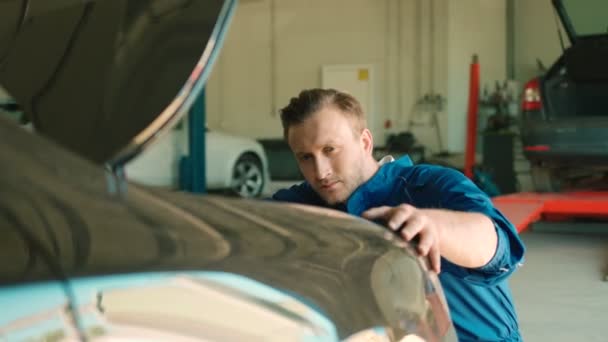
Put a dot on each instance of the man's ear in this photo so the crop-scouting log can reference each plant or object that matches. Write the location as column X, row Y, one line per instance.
column 368, row 140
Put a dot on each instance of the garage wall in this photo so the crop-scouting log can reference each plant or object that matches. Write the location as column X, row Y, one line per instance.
column 535, row 37
column 275, row 48
column 239, row 89
column 474, row 27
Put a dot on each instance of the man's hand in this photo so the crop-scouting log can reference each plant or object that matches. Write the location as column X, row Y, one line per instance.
column 411, row 222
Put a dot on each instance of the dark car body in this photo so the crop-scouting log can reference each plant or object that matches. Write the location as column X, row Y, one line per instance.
column 564, row 122
column 86, row 255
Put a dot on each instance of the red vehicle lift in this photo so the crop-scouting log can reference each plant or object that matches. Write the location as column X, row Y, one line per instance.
column 522, row 209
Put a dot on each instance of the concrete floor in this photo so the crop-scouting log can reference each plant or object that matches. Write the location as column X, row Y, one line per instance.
column 561, row 292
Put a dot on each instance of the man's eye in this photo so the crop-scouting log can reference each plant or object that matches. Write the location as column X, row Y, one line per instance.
column 329, row 149
column 305, row 158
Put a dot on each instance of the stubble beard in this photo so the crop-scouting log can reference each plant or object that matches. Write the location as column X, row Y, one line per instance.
column 346, row 190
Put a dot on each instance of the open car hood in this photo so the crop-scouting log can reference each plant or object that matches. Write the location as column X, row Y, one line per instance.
column 62, row 220
column 104, row 78
column 582, row 18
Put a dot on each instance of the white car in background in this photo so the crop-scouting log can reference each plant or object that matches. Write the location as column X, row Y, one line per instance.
column 233, row 163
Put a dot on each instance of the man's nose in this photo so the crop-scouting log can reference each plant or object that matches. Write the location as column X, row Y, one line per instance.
column 323, row 168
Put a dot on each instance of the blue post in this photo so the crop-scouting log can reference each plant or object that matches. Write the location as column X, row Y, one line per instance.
column 196, row 141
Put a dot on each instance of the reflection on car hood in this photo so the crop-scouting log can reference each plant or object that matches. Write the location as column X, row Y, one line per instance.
column 114, row 73
column 61, row 221
column 183, row 306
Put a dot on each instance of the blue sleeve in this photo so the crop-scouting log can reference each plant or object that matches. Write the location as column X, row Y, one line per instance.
column 459, row 193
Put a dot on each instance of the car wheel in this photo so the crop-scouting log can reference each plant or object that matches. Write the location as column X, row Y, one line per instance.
column 545, row 179
column 248, row 176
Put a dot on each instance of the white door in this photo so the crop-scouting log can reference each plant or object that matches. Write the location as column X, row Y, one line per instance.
column 355, row 79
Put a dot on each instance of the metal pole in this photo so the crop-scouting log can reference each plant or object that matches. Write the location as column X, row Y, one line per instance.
column 469, row 160
column 196, row 141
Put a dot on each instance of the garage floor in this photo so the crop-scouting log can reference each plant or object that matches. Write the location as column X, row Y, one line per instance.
column 561, row 292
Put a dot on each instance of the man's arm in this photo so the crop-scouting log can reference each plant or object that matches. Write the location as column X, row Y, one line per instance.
column 466, row 239
column 466, row 229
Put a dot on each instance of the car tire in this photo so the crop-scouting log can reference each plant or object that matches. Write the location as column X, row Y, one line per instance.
column 545, row 179
column 248, row 176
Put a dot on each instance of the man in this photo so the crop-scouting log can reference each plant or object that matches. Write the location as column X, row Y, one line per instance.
column 464, row 236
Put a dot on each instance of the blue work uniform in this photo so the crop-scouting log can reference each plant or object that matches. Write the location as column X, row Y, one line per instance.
column 479, row 299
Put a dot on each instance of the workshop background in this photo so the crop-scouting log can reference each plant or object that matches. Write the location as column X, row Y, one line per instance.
column 409, row 62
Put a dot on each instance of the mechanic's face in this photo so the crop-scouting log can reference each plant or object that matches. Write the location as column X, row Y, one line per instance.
column 332, row 155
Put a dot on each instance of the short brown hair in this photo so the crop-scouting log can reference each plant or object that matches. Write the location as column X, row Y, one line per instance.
column 310, row 101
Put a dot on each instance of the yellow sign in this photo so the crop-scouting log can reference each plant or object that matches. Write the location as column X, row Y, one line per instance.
column 363, row 74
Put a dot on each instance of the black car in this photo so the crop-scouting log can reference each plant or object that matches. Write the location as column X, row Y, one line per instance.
column 86, row 255
column 565, row 111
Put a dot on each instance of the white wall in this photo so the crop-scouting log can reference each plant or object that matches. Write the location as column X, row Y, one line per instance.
column 275, row 48
column 535, row 37
column 239, row 88
column 268, row 59
column 474, row 27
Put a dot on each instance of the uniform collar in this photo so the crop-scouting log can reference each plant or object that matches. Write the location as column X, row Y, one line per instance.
column 379, row 188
